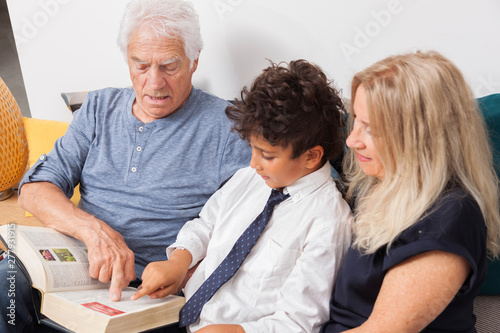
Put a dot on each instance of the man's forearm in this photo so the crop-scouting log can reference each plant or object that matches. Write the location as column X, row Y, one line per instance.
column 109, row 256
column 53, row 209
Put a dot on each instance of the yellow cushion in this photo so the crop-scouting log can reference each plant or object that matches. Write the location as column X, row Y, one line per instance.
column 41, row 135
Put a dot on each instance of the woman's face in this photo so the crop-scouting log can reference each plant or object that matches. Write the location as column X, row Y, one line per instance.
column 361, row 139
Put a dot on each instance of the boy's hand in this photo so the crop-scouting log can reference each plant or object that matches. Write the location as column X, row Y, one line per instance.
column 163, row 278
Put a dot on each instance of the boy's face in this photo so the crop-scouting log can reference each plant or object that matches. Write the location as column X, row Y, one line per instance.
column 275, row 165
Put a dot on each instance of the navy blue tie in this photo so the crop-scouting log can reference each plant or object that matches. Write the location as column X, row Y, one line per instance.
column 228, row 267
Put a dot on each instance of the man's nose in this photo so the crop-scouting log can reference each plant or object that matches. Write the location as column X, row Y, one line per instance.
column 156, row 79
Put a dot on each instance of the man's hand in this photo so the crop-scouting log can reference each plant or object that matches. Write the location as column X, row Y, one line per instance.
column 110, row 259
column 163, row 278
column 109, row 256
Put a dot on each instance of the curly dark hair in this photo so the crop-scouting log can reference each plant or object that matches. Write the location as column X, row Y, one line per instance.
column 295, row 105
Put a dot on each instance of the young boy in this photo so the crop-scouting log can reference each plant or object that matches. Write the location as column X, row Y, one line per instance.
column 290, row 117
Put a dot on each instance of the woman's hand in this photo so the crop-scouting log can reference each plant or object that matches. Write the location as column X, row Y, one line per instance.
column 416, row 291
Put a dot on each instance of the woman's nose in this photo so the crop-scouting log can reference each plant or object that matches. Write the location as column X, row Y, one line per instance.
column 354, row 140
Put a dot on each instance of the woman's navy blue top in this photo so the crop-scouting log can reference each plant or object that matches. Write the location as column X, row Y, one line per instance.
column 455, row 224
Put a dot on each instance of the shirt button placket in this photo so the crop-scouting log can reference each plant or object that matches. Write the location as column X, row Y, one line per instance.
column 135, row 157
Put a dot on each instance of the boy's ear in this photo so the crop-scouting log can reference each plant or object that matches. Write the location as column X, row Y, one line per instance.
column 314, row 156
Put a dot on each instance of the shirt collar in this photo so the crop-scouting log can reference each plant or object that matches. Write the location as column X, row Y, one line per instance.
column 309, row 183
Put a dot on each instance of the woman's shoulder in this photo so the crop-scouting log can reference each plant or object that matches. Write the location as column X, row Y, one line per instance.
column 455, row 220
column 455, row 206
column 453, row 224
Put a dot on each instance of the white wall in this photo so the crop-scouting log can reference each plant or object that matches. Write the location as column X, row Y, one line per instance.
column 70, row 45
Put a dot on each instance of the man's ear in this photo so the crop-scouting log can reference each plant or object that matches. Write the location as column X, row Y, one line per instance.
column 194, row 66
column 314, row 156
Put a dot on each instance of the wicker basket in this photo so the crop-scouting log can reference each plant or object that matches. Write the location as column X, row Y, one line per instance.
column 13, row 143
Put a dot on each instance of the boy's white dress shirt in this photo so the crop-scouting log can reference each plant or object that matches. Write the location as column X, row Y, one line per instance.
column 285, row 283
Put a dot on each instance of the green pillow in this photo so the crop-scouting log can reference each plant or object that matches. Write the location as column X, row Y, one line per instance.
column 490, row 106
column 491, row 285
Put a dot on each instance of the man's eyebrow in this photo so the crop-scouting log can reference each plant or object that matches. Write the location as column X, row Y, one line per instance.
column 169, row 61
column 135, row 59
column 166, row 62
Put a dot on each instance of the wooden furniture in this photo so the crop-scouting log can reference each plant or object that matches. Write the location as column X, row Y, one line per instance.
column 10, row 212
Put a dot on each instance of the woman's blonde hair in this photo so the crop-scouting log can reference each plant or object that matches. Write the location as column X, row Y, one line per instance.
column 429, row 134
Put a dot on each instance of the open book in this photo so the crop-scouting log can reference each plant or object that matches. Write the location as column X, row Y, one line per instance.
column 58, row 266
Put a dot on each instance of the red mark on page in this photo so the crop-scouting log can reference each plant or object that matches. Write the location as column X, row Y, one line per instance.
column 96, row 306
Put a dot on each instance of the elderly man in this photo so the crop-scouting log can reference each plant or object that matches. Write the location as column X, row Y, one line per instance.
column 147, row 158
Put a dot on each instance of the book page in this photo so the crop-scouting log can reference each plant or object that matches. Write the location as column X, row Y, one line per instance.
column 93, row 311
column 64, row 258
column 99, row 301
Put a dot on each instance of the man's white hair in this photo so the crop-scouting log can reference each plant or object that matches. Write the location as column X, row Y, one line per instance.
column 168, row 18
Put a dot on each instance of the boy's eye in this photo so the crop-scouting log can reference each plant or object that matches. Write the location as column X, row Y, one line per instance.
column 267, row 157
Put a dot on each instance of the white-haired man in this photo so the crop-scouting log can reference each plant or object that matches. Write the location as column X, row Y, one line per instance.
column 147, row 158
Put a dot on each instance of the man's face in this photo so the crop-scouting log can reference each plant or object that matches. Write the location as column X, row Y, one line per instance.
column 160, row 73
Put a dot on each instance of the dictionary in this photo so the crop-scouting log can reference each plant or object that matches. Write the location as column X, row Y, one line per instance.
column 59, row 268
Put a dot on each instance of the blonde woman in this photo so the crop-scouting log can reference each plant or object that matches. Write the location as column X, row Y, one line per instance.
column 425, row 199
